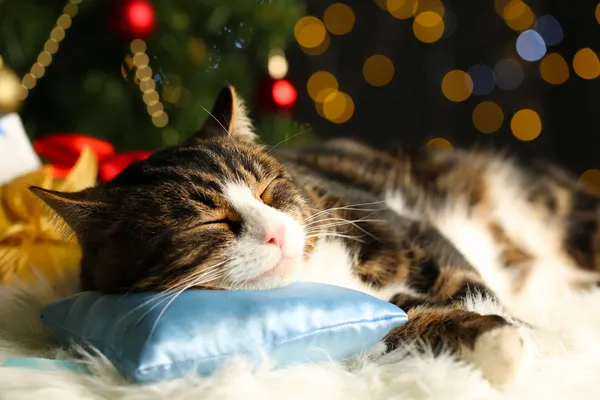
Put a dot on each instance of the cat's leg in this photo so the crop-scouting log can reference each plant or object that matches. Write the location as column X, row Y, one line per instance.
column 489, row 342
column 438, row 287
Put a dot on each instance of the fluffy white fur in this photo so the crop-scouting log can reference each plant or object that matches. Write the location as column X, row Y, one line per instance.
column 564, row 363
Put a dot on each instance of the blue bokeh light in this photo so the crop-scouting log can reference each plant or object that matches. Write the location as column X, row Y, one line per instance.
column 549, row 29
column 531, row 46
column 509, row 74
column 483, row 78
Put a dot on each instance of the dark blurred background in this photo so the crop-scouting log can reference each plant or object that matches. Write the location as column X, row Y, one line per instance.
column 512, row 74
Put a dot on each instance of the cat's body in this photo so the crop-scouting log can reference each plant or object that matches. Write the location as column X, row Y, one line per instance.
column 423, row 231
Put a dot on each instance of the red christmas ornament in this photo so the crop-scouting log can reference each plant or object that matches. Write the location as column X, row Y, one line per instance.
column 284, row 93
column 62, row 150
column 134, row 19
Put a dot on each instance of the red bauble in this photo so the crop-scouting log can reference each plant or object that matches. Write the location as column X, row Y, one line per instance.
column 284, row 93
column 134, row 19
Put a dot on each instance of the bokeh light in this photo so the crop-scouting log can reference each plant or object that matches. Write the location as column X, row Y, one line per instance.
column 428, row 27
column 277, row 65
column 554, row 69
column 310, row 32
column 401, row 9
column 435, row 6
column 598, row 13
column 526, row 125
column 284, row 93
column 531, row 46
column 450, row 23
column 439, row 143
column 378, row 70
column 457, row 86
column 337, row 107
column 320, row 49
column 586, row 64
column 518, row 15
column 488, row 117
column 339, row 19
column 509, row 74
column 483, row 79
column 320, row 81
column 591, row 180
column 549, row 29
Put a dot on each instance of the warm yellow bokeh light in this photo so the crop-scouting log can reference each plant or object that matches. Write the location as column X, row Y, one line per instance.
column 277, row 65
column 378, row 70
column 457, row 85
column 488, row 117
column 339, row 19
column 554, row 69
column 337, row 107
column 435, row 6
column 428, row 27
column 320, row 49
column 518, row 15
column 586, row 64
column 310, row 32
column 439, row 143
column 319, row 81
column 591, row 180
column 526, row 125
column 598, row 13
column 401, row 9
column 500, row 5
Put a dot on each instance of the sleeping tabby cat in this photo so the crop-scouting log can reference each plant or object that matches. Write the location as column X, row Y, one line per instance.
column 423, row 231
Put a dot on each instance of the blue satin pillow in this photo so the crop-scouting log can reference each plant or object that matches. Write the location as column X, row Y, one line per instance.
column 201, row 329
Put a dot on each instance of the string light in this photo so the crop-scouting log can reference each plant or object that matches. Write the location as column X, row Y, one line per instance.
column 320, row 81
column 147, row 85
column 509, row 74
column 310, row 32
column 530, row 46
column 554, row 69
column 428, row 26
column 488, row 117
column 284, row 93
column 378, row 70
column 440, row 143
column 337, row 107
column 401, row 9
column 44, row 59
column 526, row 125
column 457, row 86
column 484, row 80
column 277, row 65
column 339, row 19
column 518, row 16
column 586, row 64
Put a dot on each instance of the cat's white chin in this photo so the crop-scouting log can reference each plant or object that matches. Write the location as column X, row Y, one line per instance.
column 284, row 273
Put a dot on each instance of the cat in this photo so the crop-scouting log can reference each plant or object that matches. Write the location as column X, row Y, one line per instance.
column 222, row 211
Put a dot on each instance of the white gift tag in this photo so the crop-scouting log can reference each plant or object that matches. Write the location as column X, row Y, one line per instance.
column 17, row 156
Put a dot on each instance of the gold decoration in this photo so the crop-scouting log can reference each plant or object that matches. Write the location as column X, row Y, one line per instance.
column 32, row 241
column 11, row 91
column 44, row 59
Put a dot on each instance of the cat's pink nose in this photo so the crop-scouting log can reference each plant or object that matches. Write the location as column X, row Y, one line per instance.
column 275, row 236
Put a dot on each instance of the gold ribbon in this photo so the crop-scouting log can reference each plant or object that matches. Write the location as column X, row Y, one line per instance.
column 32, row 241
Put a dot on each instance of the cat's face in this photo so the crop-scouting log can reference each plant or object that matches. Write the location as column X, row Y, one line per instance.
column 217, row 211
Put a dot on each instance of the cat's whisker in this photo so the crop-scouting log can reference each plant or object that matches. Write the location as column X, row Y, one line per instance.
column 351, row 207
column 286, row 139
column 330, row 234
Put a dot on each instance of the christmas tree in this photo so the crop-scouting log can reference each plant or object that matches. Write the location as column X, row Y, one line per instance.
column 140, row 73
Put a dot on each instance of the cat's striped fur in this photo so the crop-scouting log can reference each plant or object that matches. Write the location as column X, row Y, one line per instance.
column 221, row 211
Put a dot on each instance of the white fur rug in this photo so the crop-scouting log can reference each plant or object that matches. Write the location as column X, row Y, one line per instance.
column 564, row 364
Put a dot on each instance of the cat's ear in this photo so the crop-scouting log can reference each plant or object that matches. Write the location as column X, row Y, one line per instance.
column 75, row 208
column 228, row 117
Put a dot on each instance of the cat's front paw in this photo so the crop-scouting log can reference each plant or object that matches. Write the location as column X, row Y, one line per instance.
column 499, row 353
